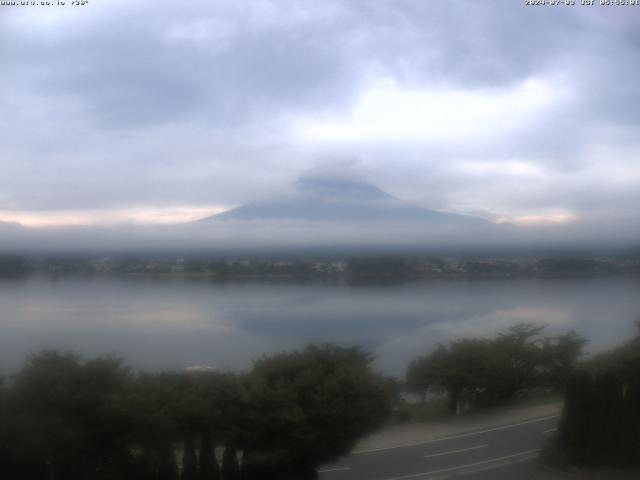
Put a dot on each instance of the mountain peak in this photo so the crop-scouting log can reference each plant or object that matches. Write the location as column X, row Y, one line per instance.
column 340, row 189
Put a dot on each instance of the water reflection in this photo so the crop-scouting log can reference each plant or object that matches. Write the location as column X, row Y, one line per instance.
column 159, row 323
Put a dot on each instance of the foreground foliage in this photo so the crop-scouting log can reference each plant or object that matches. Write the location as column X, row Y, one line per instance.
column 601, row 418
column 475, row 372
column 65, row 418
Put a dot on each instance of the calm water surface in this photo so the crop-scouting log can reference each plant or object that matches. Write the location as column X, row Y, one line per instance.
column 172, row 323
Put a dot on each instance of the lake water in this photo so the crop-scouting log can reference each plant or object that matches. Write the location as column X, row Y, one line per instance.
column 172, row 323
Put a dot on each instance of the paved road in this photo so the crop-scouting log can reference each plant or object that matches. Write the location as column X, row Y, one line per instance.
column 505, row 452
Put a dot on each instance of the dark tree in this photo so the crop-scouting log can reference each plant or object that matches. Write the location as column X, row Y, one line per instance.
column 560, row 356
column 167, row 467
column 156, row 431
column 72, row 416
column 230, row 467
column 67, row 418
column 189, row 460
column 464, row 370
column 309, row 407
column 209, row 468
column 601, row 418
column 476, row 372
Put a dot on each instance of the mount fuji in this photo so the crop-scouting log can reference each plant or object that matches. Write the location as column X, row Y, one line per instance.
column 318, row 199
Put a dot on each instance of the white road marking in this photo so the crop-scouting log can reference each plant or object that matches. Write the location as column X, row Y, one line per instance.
column 497, row 465
column 484, row 468
column 551, row 430
column 451, row 452
column 453, row 437
column 461, row 467
column 337, row 469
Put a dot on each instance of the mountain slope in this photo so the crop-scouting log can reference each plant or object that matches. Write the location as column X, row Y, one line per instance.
column 330, row 199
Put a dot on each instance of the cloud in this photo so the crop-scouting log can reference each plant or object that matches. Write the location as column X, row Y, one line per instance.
column 388, row 113
column 114, row 217
column 491, row 106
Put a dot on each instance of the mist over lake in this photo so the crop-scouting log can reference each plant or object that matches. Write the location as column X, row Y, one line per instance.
column 171, row 323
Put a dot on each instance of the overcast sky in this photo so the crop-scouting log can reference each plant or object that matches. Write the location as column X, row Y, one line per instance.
column 152, row 110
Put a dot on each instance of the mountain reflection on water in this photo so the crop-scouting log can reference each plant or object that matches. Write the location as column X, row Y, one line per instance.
column 171, row 323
